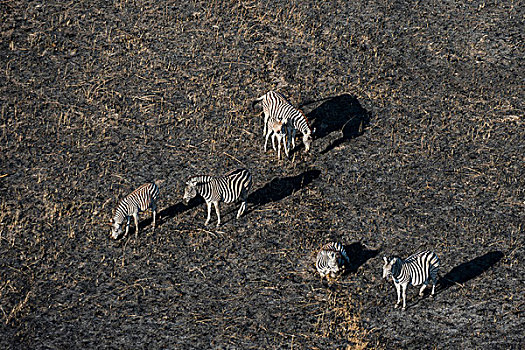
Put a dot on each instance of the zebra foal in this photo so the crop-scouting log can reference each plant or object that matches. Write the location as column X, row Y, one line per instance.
column 276, row 107
column 417, row 269
column 139, row 200
column 214, row 189
column 277, row 130
column 331, row 260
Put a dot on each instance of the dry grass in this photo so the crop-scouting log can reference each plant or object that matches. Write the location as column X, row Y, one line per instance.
column 98, row 98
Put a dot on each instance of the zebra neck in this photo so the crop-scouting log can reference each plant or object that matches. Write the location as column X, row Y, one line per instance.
column 304, row 128
column 396, row 271
column 120, row 215
column 200, row 180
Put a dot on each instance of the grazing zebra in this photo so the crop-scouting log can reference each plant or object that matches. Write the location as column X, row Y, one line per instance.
column 416, row 270
column 331, row 260
column 139, row 200
column 277, row 106
column 299, row 122
column 276, row 129
column 228, row 188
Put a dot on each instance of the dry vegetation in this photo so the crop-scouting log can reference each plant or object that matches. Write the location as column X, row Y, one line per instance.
column 420, row 144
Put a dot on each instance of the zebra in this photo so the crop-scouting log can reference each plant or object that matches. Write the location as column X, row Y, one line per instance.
column 228, row 188
column 331, row 260
column 299, row 122
column 277, row 129
column 139, row 200
column 417, row 269
column 277, row 106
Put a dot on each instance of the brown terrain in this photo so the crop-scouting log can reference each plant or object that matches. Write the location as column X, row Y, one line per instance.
column 420, row 142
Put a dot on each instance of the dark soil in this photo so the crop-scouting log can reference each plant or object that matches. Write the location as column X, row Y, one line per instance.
column 420, row 142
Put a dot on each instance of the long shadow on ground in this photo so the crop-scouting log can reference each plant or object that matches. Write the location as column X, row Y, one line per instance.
column 277, row 189
column 168, row 213
column 465, row 272
column 358, row 255
column 470, row 269
column 341, row 113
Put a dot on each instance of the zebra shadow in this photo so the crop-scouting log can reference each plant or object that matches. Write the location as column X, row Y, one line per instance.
column 342, row 113
column 463, row 273
column 278, row 189
column 470, row 269
column 169, row 213
column 358, row 254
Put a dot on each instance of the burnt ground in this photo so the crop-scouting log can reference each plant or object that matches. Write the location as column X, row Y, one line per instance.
column 420, row 141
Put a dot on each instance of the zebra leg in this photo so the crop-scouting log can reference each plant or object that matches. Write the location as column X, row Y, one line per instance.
column 154, row 209
column 208, row 205
column 266, row 116
column 243, row 204
column 434, row 282
column 216, row 204
column 136, row 218
column 266, row 141
column 398, row 291
column 278, row 146
column 293, row 137
column 274, row 136
column 423, row 287
column 404, row 286
column 286, row 150
column 128, row 218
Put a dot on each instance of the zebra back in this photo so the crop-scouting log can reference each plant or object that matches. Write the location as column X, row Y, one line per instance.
column 227, row 188
column 416, row 268
column 137, row 201
column 234, row 183
column 277, row 107
column 331, row 259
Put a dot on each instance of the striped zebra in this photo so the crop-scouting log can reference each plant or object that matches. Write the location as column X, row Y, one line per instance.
column 417, row 269
column 277, row 106
column 331, row 260
column 139, row 200
column 228, row 188
column 277, row 130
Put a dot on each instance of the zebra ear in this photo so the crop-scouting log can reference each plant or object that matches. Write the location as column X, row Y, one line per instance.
column 385, row 259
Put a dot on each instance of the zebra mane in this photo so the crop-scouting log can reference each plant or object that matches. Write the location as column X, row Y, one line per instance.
column 199, row 180
column 396, row 266
column 307, row 121
column 231, row 172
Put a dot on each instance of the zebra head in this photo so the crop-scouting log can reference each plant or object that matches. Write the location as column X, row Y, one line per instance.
column 116, row 229
column 333, row 263
column 307, row 141
column 190, row 191
column 387, row 267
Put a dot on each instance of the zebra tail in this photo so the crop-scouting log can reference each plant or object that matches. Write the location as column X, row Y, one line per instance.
column 255, row 102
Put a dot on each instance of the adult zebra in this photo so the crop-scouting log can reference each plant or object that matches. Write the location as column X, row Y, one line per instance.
column 228, row 188
column 417, row 269
column 276, row 106
column 331, row 260
column 139, row 200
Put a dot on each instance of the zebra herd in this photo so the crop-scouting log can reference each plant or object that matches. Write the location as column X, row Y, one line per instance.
column 281, row 122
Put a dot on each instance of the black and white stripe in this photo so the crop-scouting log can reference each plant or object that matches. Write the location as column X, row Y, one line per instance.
column 139, row 200
column 331, row 260
column 417, row 269
column 228, row 188
column 276, row 106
